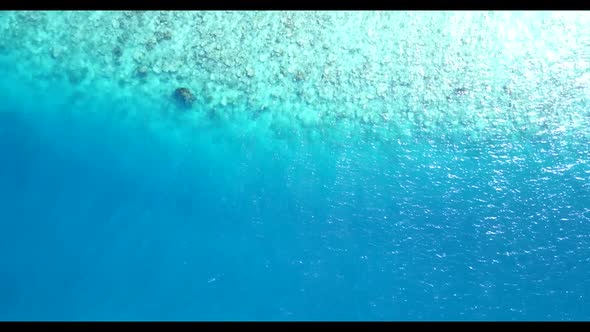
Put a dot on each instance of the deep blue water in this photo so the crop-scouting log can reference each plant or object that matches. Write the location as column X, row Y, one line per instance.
column 102, row 219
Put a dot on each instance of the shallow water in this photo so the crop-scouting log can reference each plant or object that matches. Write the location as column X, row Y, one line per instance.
column 117, row 205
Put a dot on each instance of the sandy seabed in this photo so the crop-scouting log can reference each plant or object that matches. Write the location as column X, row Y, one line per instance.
column 275, row 73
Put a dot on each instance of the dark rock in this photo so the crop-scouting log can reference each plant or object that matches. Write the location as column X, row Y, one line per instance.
column 141, row 71
column 461, row 91
column 150, row 44
column 163, row 35
column 117, row 51
column 122, row 39
column 184, row 97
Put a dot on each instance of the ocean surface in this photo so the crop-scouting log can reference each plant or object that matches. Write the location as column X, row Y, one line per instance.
column 333, row 166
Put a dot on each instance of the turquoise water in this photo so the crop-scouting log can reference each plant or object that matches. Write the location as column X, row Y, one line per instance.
column 334, row 166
